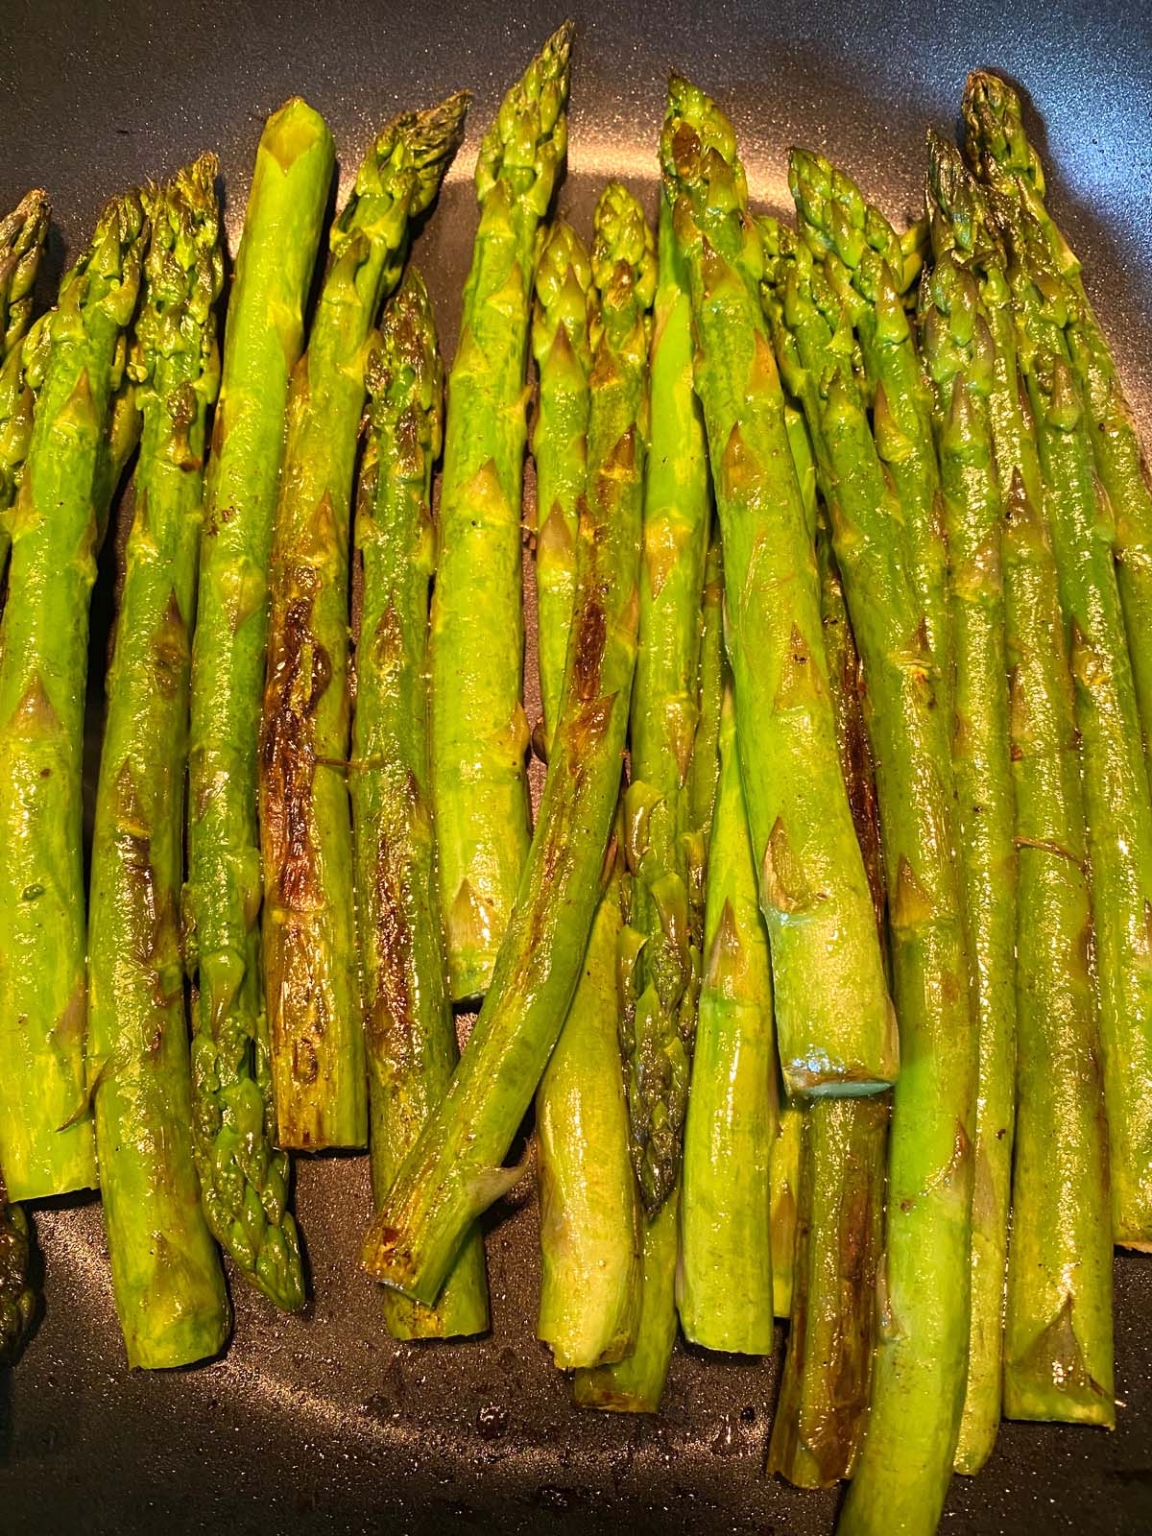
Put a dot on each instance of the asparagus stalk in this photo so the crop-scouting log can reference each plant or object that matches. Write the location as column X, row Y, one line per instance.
column 704, row 770
column 22, row 236
column 479, row 734
column 839, row 1160
column 46, row 1144
column 18, row 1298
column 724, row 1277
column 957, row 347
column 559, row 447
column 1058, row 1328
column 834, row 1023
column 1117, row 805
column 411, row 1037
column 244, row 1180
column 311, row 981
column 589, row 1224
column 1057, row 1345
column 999, row 147
column 870, row 271
column 783, row 1192
column 454, row 1171
column 918, row 1375
column 166, row 1272
column 660, row 1013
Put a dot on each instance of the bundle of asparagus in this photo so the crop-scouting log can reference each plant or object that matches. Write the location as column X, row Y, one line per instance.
column 834, row 1003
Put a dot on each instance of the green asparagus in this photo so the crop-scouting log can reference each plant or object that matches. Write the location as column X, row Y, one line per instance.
column 1117, row 804
column 244, row 1179
column 835, row 1026
column 783, row 1189
column 410, row 1034
column 454, row 1171
column 724, row 1275
column 166, row 1272
column 479, row 733
column 999, row 147
column 559, row 447
column 704, row 770
column 1058, row 1326
column 312, row 989
column 46, row 1143
column 918, row 1374
column 957, row 348
column 22, row 237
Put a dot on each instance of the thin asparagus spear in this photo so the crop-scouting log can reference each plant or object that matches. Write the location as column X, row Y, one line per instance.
column 244, row 1180
column 589, row 1221
column 454, row 1171
column 659, row 1021
column 166, row 1272
column 46, row 1143
column 1055, row 1355
column 839, row 1177
column 559, row 447
column 999, row 147
column 411, row 1037
column 834, row 1023
column 22, row 237
column 1058, row 1329
column 957, row 348
column 918, row 1375
column 18, row 1298
column 312, row 987
column 704, row 771
column 1117, row 804
column 724, row 1275
column 870, row 271
column 479, row 734
column 783, row 1190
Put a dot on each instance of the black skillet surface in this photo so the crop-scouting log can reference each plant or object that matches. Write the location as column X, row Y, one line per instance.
column 321, row 1424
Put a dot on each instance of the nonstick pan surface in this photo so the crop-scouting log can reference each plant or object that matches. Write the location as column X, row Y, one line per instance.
column 321, row 1424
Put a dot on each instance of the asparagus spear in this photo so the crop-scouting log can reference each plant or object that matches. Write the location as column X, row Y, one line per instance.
column 244, row 1180
column 46, row 1145
column 559, row 447
column 22, row 237
column 839, row 1160
column 1118, row 808
column 999, row 147
column 783, row 1189
column 957, row 347
column 166, row 1272
column 919, row 1369
column 869, row 271
column 834, row 1023
column 479, row 735
column 411, row 1037
column 453, row 1172
column 724, row 1276
column 704, row 771
column 311, row 982
column 589, row 1225
column 1058, row 1327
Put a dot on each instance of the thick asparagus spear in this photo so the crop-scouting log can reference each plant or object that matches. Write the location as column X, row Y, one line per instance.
column 1058, row 1327
column 244, row 1180
column 660, row 1012
column 1117, row 805
column 724, row 1275
column 166, row 1272
column 589, row 1222
column 957, row 347
column 313, row 994
column 869, row 271
column 839, row 1168
column 919, row 1370
column 454, row 1171
column 479, row 734
column 18, row 1299
column 411, row 1037
column 22, row 237
column 559, row 447
column 834, row 1023
column 999, row 147
column 46, row 1144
